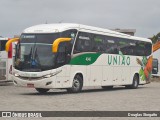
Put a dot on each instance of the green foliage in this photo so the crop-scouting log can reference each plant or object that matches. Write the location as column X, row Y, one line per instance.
column 155, row 38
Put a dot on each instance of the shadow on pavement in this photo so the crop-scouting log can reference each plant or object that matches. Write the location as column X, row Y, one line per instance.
column 6, row 83
column 88, row 91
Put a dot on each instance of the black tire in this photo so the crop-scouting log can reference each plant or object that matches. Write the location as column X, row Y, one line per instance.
column 42, row 90
column 135, row 83
column 128, row 86
column 107, row 87
column 77, row 85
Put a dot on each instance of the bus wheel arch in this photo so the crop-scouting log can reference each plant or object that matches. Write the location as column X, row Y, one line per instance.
column 77, row 83
column 135, row 82
column 137, row 74
column 81, row 75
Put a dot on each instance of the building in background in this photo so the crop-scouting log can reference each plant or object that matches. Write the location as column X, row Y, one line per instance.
column 126, row 31
column 17, row 36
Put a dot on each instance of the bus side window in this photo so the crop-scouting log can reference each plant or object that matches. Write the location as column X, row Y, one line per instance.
column 111, row 45
column 83, row 43
column 98, row 43
column 61, row 55
column 140, row 51
column 148, row 48
column 124, row 47
column 132, row 47
column 69, row 34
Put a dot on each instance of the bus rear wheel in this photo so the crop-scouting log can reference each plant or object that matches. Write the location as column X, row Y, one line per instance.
column 107, row 87
column 135, row 83
column 42, row 90
column 77, row 85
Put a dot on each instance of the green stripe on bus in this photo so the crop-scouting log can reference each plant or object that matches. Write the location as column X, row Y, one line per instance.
column 85, row 59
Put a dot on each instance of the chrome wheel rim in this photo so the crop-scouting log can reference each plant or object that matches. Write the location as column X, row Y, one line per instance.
column 76, row 84
column 135, row 83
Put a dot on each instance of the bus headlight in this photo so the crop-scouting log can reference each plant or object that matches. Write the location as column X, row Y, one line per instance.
column 16, row 75
column 52, row 74
column 47, row 76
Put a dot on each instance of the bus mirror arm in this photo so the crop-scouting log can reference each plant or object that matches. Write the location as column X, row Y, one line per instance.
column 56, row 43
column 8, row 44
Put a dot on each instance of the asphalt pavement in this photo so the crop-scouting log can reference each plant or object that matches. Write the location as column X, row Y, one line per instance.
column 145, row 98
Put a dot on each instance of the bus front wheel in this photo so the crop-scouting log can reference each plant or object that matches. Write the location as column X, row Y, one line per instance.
column 76, row 85
column 42, row 90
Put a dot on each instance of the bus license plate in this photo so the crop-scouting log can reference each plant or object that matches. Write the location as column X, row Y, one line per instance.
column 30, row 85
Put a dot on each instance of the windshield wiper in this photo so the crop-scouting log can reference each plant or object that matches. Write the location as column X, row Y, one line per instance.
column 36, row 59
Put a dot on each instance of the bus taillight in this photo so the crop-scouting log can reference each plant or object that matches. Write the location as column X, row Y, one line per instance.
column 10, row 52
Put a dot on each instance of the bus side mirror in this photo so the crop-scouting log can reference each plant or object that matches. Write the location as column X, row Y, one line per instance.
column 8, row 44
column 56, row 43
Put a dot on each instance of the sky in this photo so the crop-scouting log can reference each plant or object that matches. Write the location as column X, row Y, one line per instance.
column 142, row 15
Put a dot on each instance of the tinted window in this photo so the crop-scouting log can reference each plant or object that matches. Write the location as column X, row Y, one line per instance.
column 83, row 43
column 39, row 38
column 127, row 47
column 2, row 45
column 123, row 46
column 111, row 46
column 98, row 43
column 131, row 47
column 148, row 49
column 140, row 48
column 61, row 56
column 69, row 34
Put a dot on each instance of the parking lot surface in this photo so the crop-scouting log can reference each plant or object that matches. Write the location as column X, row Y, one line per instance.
column 145, row 98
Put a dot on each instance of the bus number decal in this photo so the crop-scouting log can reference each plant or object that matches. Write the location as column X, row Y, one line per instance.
column 88, row 59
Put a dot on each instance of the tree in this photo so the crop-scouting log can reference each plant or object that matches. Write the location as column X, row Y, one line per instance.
column 155, row 38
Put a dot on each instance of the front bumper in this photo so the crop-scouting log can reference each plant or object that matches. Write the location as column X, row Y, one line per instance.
column 42, row 83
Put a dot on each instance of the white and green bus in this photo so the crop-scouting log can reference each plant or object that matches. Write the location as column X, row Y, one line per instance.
column 73, row 56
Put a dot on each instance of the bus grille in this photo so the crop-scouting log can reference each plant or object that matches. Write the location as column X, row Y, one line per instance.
column 30, row 78
column 2, row 70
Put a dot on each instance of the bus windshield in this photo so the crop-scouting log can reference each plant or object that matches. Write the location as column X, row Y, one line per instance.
column 34, row 52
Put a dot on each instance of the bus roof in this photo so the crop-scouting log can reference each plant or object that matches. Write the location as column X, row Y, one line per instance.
column 59, row 27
